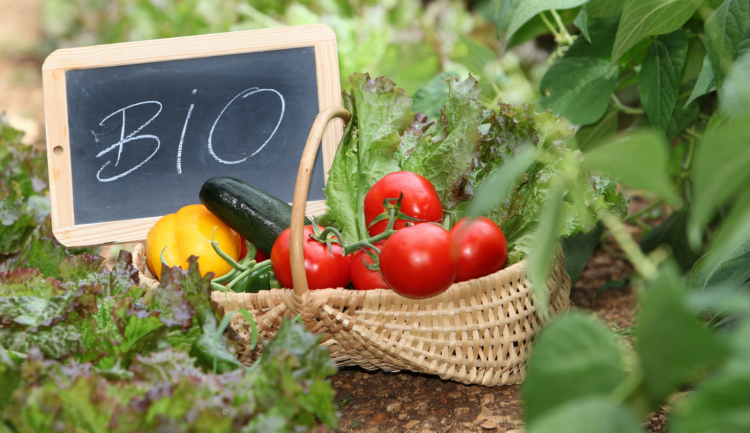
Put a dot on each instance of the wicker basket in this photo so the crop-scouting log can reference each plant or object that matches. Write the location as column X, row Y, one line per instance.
column 476, row 332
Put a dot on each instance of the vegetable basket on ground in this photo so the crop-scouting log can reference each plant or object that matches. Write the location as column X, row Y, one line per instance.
column 476, row 332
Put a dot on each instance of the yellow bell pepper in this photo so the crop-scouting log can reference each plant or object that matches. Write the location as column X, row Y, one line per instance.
column 188, row 233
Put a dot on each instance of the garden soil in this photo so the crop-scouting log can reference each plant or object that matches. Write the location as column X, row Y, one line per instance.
column 368, row 401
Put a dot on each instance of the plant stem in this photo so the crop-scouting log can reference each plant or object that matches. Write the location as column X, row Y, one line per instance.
column 232, row 262
column 689, row 156
column 625, row 109
column 643, row 211
column 646, row 228
column 563, row 30
column 642, row 264
column 549, row 25
column 693, row 133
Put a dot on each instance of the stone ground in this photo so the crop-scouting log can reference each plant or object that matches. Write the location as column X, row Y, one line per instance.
column 369, row 401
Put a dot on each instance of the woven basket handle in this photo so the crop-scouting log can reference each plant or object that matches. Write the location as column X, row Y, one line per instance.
column 300, row 193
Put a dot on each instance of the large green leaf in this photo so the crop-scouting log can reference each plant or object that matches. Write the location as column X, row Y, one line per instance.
column 542, row 256
column 582, row 22
column 659, row 78
column 497, row 186
column 724, row 30
column 604, row 8
column 719, row 404
column 446, row 151
column 579, row 88
column 641, row 18
column 735, row 92
column 381, row 112
column 586, row 415
column 733, row 232
column 639, row 159
column 590, row 136
column 672, row 346
column 719, row 170
column 682, row 117
column 706, row 82
column 672, row 232
column 602, row 32
column 578, row 250
column 728, row 274
column 528, row 9
column 431, row 97
column 575, row 357
column 744, row 46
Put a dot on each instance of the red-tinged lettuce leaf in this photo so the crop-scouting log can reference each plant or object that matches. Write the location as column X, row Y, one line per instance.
column 296, row 353
column 56, row 397
column 16, row 223
column 23, row 175
column 519, row 214
column 411, row 137
column 444, row 154
column 170, row 302
column 381, row 113
column 56, row 342
column 30, row 312
column 166, row 391
column 196, row 289
column 173, row 308
column 80, row 268
column 123, row 276
column 28, row 282
column 44, row 254
column 10, row 377
column 210, row 350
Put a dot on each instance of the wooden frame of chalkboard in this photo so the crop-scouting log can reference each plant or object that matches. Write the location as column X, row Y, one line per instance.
column 57, row 66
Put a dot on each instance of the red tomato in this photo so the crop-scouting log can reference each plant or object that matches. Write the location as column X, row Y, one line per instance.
column 363, row 278
column 420, row 200
column 323, row 270
column 482, row 248
column 419, row 261
column 260, row 256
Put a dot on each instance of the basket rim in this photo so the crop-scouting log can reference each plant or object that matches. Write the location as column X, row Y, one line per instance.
column 139, row 261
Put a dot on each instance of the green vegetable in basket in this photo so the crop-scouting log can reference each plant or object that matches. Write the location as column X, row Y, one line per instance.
column 457, row 152
column 259, row 280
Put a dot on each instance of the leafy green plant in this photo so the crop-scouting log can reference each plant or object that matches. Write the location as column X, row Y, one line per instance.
column 414, row 43
column 23, row 180
column 83, row 347
column 673, row 73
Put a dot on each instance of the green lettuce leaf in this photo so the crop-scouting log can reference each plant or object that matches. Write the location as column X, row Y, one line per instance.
column 165, row 391
column 509, row 130
column 445, row 151
column 457, row 153
column 23, row 180
column 380, row 115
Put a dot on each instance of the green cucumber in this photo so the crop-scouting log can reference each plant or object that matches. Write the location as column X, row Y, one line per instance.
column 253, row 213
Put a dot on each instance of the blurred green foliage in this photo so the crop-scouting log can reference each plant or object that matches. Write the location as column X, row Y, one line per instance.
column 660, row 90
column 405, row 40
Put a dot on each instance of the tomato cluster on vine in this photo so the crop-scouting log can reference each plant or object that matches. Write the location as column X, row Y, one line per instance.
column 411, row 249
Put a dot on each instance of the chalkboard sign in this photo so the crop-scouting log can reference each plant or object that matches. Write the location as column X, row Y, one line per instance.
column 135, row 129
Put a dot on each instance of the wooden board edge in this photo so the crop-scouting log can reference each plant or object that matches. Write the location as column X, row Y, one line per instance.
column 329, row 95
column 116, row 232
column 319, row 36
column 189, row 47
column 58, row 147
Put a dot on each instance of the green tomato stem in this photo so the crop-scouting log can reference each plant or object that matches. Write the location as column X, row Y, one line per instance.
column 232, row 262
column 226, row 277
